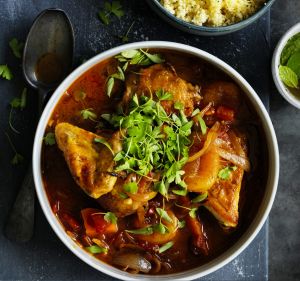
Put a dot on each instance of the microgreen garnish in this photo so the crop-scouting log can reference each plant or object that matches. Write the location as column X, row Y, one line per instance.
column 111, row 217
column 111, row 80
column 104, row 142
column 5, row 72
column 192, row 211
column 88, row 114
column 139, row 57
column 225, row 173
column 95, row 249
column 18, row 158
column 131, row 187
column 165, row 247
column 202, row 124
column 163, row 215
column 153, row 141
column 181, row 224
column 200, row 198
column 49, row 139
column 160, row 228
column 110, row 8
column 16, row 47
column 142, row 231
column 125, row 38
column 17, row 103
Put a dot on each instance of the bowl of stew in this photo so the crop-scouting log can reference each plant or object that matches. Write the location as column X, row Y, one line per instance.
column 155, row 160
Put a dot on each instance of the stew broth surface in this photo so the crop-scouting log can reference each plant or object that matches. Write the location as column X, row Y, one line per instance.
column 67, row 199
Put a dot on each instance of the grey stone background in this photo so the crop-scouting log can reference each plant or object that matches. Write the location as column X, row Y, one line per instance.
column 284, row 230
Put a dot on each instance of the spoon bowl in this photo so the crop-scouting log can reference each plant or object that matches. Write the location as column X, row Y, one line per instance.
column 48, row 51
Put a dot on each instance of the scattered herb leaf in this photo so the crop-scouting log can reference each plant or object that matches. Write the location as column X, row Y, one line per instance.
column 131, row 187
column 104, row 142
column 164, row 215
column 111, row 218
column 16, row 47
column 110, row 8
column 181, row 224
column 125, row 38
column 142, row 231
column 49, row 139
column 95, row 249
column 193, row 212
column 88, row 114
column 5, row 72
column 18, row 158
column 165, row 247
column 200, row 198
column 225, row 173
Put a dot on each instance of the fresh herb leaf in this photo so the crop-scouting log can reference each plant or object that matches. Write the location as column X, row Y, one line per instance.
column 162, row 95
column 160, row 228
column 180, row 192
column 166, row 247
column 5, row 72
column 125, row 38
column 131, row 187
column 114, row 8
column 155, row 58
column 164, row 215
column 202, row 125
column 20, row 102
column 142, row 231
column 104, row 142
column 16, row 47
column 18, row 158
column 294, row 63
column 129, row 54
column 88, row 114
column 200, row 198
column 192, row 213
column 291, row 47
column 181, row 224
column 225, row 173
column 178, row 105
column 111, row 218
column 195, row 112
column 95, row 249
column 49, row 139
column 288, row 76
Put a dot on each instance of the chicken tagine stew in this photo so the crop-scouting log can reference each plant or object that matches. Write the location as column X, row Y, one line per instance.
column 153, row 162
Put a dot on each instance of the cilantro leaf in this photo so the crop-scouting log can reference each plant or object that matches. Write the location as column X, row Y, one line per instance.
column 164, row 215
column 225, row 173
column 162, row 95
column 88, row 114
column 5, row 72
column 166, row 247
column 142, row 231
column 18, row 158
column 111, row 218
column 16, row 47
column 49, row 139
column 114, row 8
column 104, row 142
column 95, row 249
column 131, row 187
column 192, row 212
column 181, row 224
column 200, row 198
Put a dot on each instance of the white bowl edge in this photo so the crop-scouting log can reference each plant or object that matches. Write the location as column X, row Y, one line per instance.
column 283, row 90
column 246, row 238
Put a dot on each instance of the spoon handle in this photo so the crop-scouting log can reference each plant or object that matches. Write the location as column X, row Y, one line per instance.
column 19, row 226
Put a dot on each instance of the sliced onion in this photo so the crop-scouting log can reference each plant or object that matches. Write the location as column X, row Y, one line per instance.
column 236, row 144
column 237, row 160
column 133, row 261
column 210, row 139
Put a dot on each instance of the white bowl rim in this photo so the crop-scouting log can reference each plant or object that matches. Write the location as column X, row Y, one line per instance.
column 283, row 90
column 266, row 203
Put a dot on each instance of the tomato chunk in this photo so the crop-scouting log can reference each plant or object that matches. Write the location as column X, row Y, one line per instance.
column 225, row 113
column 95, row 223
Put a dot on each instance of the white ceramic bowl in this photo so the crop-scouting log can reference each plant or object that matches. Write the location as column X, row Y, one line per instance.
column 283, row 90
column 272, row 175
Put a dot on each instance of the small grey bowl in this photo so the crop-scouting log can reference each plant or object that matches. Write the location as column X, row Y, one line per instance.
column 205, row 30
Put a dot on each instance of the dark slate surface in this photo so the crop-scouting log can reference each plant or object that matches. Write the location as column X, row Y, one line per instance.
column 45, row 257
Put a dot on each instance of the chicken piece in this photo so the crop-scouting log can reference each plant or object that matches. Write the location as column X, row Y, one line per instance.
column 223, row 199
column 121, row 206
column 163, row 77
column 90, row 163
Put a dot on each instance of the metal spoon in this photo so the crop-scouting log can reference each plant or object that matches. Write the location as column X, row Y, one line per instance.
column 47, row 59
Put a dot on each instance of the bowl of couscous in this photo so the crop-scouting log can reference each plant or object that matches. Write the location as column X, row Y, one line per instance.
column 210, row 17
